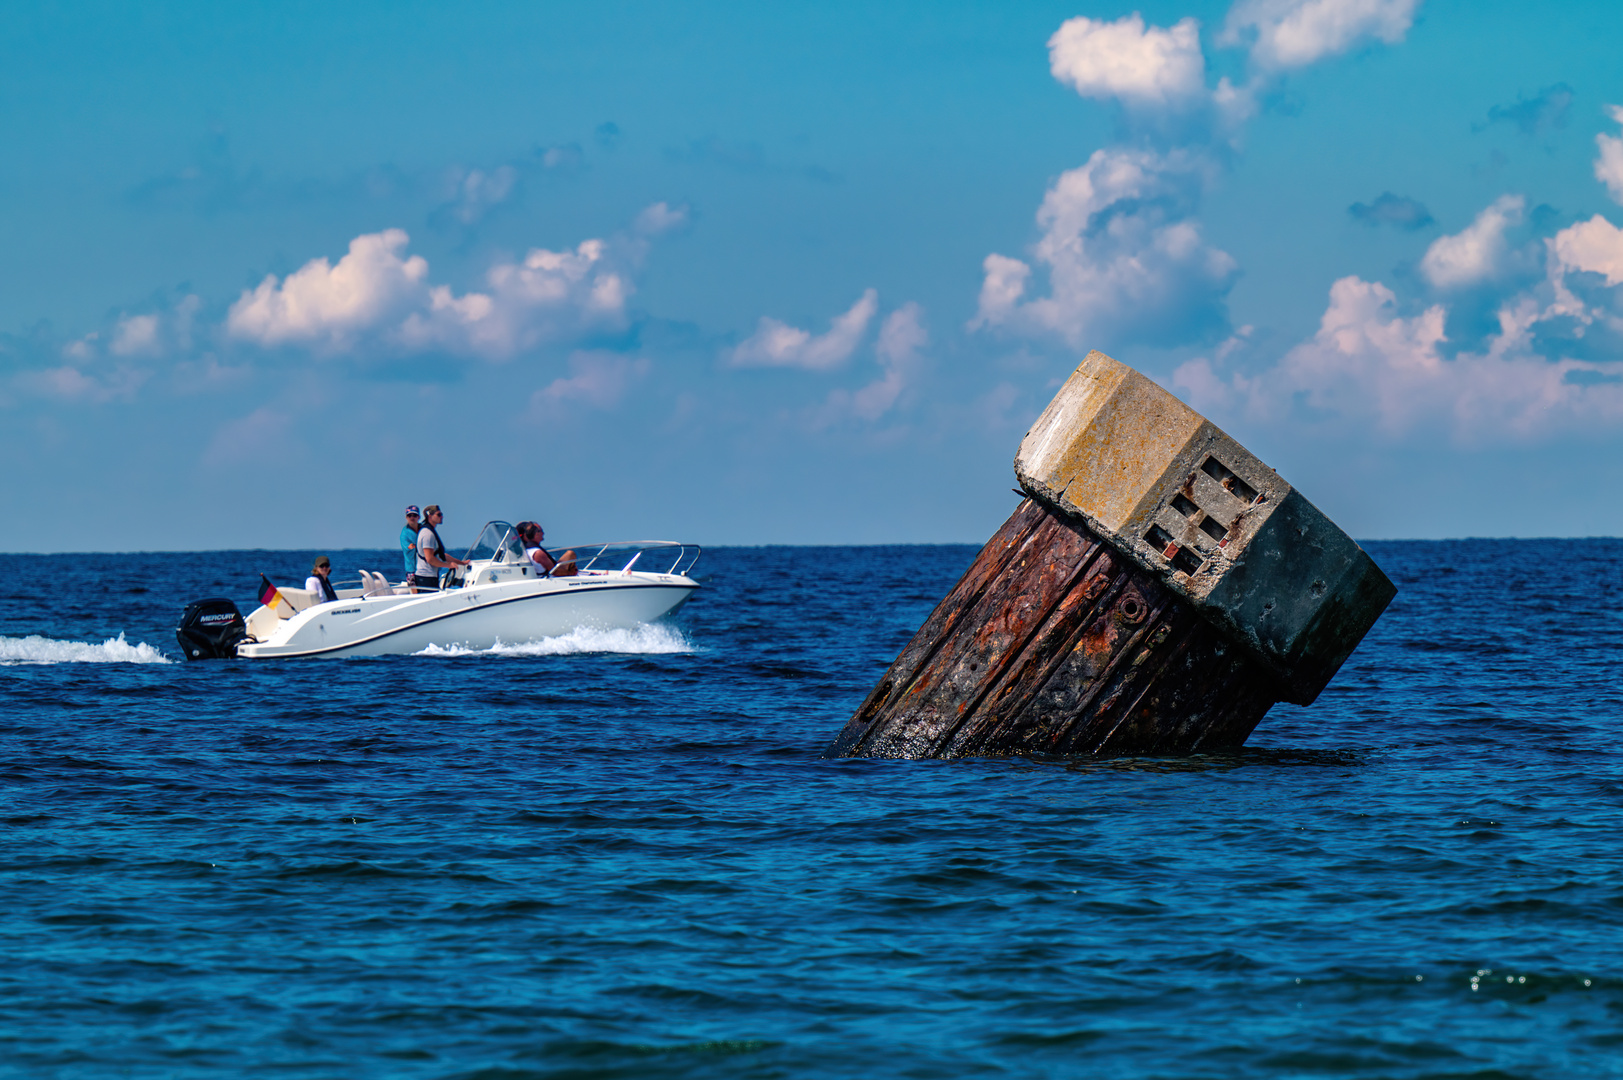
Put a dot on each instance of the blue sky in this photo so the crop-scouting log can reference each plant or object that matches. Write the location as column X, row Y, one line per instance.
column 794, row 274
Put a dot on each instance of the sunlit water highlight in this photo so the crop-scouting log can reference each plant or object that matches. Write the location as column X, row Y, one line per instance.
column 576, row 858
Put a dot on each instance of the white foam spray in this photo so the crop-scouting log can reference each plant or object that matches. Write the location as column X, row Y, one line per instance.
column 647, row 638
column 34, row 649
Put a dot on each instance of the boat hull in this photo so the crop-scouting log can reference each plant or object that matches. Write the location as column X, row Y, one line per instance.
column 474, row 618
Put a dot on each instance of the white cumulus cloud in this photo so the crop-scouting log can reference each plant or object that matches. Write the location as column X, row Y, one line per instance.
column 83, row 348
column 661, row 218
column 135, row 335
column 902, row 335
column 1478, row 252
column 1126, row 59
column 901, row 338
column 777, row 344
column 1370, row 365
column 1125, row 257
column 148, row 334
column 1609, row 162
column 324, row 304
column 598, row 379
column 549, row 296
column 1366, row 359
column 1295, row 33
column 1595, row 246
column 376, row 296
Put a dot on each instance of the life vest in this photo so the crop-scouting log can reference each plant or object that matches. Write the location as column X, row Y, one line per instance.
column 423, row 547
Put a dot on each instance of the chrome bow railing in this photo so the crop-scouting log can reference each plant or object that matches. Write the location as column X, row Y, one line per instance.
column 621, row 555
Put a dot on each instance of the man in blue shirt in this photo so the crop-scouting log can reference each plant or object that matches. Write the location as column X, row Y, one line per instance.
column 408, row 540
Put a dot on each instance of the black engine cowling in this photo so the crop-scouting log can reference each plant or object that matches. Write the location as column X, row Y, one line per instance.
column 211, row 629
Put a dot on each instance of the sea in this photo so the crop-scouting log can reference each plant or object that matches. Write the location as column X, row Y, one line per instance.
column 624, row 855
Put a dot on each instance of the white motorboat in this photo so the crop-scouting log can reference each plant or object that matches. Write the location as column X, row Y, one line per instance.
column 501, row 597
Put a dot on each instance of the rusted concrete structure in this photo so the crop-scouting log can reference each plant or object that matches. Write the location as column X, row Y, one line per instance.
column 1158, row 590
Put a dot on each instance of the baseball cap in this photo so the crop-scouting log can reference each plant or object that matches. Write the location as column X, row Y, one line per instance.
column 414, row 511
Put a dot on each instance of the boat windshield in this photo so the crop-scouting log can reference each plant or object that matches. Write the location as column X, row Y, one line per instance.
column 497, row 542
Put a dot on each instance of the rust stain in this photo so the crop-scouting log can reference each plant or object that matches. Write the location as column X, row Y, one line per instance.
column 1059, row 645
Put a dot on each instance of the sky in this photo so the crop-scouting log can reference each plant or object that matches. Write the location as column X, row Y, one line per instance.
column 803, row 274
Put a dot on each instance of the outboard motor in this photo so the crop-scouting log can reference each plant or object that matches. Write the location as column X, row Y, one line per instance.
column 211, row 629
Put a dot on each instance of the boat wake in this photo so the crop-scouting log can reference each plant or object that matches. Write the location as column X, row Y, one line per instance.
column 34, row 649
column 644, row 639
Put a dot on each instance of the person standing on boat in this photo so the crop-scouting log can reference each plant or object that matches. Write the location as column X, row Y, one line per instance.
column 531, row 533
column 317, row 581
column 431, row 556
column 408, row 539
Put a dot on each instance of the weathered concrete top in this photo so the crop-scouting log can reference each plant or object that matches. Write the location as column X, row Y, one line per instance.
column 1172, row 491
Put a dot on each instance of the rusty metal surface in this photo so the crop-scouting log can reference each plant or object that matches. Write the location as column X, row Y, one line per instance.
column 1199, row 512
column 1055, row 643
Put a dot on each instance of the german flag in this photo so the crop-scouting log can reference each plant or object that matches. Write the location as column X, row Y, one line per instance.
column 268, row 594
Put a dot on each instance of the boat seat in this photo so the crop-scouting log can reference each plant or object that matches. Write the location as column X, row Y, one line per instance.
column 378, row 585
column 297, row 599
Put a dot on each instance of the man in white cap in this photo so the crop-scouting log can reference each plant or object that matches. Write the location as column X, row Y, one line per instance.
column 408, row 540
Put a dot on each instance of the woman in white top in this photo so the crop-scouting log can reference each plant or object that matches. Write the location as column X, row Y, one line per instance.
column 317, row 581
column 532, row 534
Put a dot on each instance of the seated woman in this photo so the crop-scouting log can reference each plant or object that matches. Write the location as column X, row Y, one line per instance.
column 317, row 581
column 531, row 534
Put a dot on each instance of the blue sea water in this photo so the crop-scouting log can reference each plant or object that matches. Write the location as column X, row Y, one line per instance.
column 622, row 856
